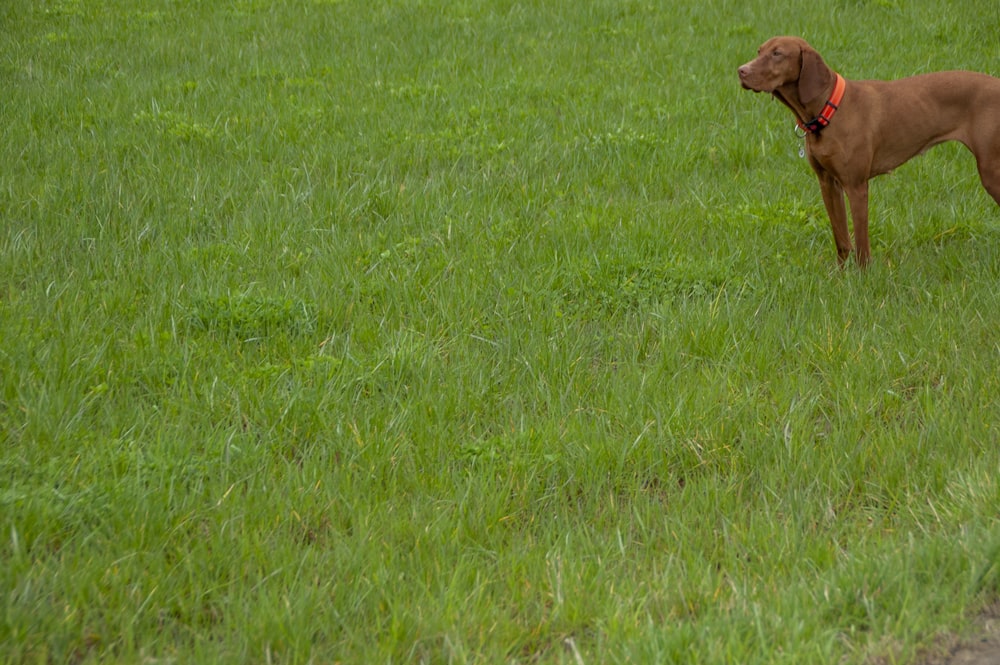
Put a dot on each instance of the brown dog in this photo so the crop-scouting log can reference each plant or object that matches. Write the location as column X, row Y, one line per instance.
column 856, row 130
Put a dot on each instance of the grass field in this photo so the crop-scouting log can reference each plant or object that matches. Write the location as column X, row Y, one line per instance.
column 428, row 331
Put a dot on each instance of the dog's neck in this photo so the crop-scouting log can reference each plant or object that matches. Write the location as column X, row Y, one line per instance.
column 808, row 113
column 789, row 96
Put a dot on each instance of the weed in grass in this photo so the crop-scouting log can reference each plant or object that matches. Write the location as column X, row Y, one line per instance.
column 248, row 316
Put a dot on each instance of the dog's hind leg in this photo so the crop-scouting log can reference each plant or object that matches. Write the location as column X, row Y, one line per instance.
column 989, row 173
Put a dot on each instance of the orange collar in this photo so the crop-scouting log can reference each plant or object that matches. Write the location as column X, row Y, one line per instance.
column 815, row 125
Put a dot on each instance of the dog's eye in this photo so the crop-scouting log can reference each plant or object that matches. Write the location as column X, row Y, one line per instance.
column 777, row 53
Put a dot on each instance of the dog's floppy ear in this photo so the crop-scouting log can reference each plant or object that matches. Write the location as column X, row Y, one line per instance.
column 814, row 77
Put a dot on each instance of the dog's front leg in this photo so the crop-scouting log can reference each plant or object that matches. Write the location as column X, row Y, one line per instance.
column 833, row 199
column 857, row 195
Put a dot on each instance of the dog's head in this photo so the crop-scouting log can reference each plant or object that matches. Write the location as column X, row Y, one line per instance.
column 784, row 63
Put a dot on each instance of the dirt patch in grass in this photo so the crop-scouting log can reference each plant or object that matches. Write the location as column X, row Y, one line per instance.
column 982, row 649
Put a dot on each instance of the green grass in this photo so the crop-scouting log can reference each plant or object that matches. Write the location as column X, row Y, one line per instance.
column 340, row 331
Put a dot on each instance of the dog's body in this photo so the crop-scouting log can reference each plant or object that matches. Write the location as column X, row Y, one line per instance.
column 876, row 126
